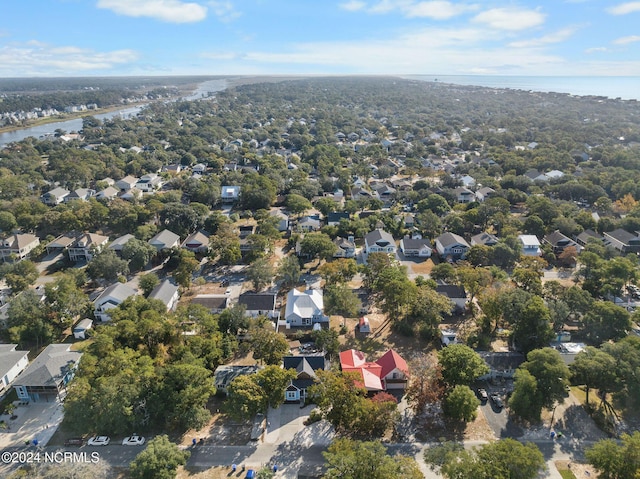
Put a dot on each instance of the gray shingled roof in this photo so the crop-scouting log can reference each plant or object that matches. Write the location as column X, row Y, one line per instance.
column 49, row 367
column 164, row 292
column 9, row 357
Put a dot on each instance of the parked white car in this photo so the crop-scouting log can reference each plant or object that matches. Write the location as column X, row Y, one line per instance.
column 99, row 441
column 133, row 440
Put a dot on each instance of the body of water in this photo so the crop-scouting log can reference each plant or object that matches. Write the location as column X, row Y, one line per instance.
column 76, row 125
column 625, row 87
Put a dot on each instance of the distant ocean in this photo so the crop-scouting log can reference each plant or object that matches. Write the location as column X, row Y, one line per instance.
column 625, row 87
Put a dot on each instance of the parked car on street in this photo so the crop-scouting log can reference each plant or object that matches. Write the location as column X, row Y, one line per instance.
column 497, row 401
column 74, row 441
column 99, row 441
column 133, row 440
column 482, row 395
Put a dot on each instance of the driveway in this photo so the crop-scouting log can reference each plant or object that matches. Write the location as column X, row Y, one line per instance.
column 38, row 420
column 286, row 425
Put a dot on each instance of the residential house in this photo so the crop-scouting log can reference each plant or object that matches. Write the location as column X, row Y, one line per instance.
column 554, row 174
column 451, row 246
column 448, row 336
column 132, row 194
column 259, row 304
column 456, row 294
column 109, row 193
column 384, row 192
column 173, row 169
column 86, row 246
column 168, row 293
column 199, row 168
column 468, row 181
column 165, row 240
column 502, row 364
column 197, row 242
column 55, row 196
column 224, row 375
column 588, row 235
column 18, row 246
column 216, row 303
column 485, row 193
column 559, row 242
column 388, row 372
column 230, row 194
column 61, row 243
column 333, row 218
column 304, row 309
column 623, row 241
column 12, row 363
column 308, row 223
column 81, row 328
column 364, row 326
column 346, row 248
column 112, row 297
column 126, row 183
column 535, row 175
column 149, row 183
column 484, row 239
column 305, row 367
column 46, row 378
column 416, row 247
column 379, row 241
column 464, row 195
column 282, row 219
column 82, row 194
column 118, row 243
column 530, row 245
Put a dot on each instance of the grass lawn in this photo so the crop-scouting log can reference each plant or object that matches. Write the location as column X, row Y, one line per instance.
column 567, row 474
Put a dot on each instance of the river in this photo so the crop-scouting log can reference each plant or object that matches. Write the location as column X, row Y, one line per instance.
column 201, row 91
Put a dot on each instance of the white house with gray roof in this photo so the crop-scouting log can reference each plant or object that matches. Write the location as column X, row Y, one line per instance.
column 379, row 241
column 110, row 298
column 167, row 292
column 55, row 196
column 165, row 240
column 18, row 246
column 12, row 363
column 451, row 245
column 304, row 309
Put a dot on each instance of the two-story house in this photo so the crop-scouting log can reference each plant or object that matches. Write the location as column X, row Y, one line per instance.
column 530, row 245
column 379, row 241
column 18, row 246
column 86, row 246
column 304, row 309
column 112, row 297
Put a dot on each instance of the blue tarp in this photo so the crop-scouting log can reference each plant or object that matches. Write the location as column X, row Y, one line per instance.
column 251, row 474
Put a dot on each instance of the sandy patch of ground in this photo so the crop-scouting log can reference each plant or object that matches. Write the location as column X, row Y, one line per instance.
column 424, row 267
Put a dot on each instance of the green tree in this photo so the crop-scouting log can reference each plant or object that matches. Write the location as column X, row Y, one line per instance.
column 7, row 221
column 525, row 400
column 327, row 339
column 461, row 365
column 551, row 375
column 245, row 397
column 532, row 328
column 594, row 368
column 297, row 204
column 461, row 404
column 138, row 253
column 340, row 299
column 349, row 459
column 326, row 205
column 317, row 245
column 268, row 345
column 339, row 270
column 274, row 380
column 503, row 459
column 606, row 321
column 616, row 461
column 26, row 319
column 107, row 266
column 147, row 282
column 288, row 271
column 260, row 273
column 65, row 300
column 21, row 275
column 187, row 265
column 159, row 460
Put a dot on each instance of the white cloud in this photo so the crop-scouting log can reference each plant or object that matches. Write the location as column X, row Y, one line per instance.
column 624, row 8
column 224, row 10
column 37, row 58
column 511, row 19
column 595, row 50
column 555, row 37
column 437, row 9
column 353, row 6
column 173, row 11
column 626, row 40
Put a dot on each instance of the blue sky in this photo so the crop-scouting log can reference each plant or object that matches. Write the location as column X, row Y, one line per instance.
column 226, row 37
